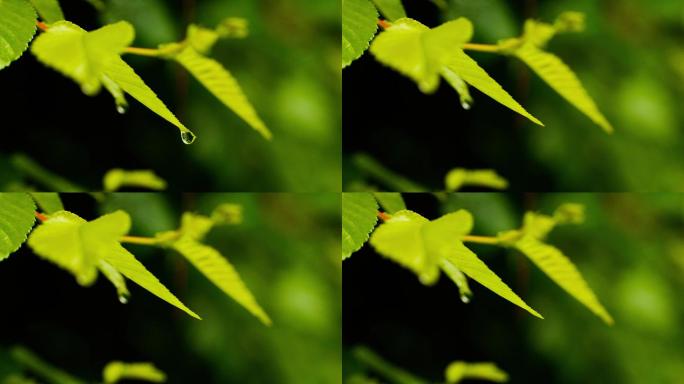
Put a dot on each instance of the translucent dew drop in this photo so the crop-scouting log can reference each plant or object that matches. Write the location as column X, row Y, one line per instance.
column 465, row 298
column 123, row 298
column 466, row 104
column 188, row 137
column 121, row 108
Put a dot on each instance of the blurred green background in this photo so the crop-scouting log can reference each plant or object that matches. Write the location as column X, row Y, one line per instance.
column 288, row 66
column 286, row 250
column 630, row 249
column 630, row 58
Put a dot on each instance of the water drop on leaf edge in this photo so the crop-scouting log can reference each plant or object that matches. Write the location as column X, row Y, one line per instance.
column 188, row 137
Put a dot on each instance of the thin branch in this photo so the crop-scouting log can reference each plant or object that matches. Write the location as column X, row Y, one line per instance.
column 41, row 217
column 491, row 240
column 481, row 47
column 139, row 240
column 384, row 216
column 43, row 27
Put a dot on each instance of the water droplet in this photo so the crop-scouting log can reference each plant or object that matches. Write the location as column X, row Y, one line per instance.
column 123, row 297
column 188, row 137
column 466, row 104
column 122, row 107
column 465, row 298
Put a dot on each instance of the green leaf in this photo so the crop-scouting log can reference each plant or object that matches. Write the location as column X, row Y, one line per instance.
column 359, row 215
column 115, row 179
column 458, row 278
column 465, row 260
column 17, row 27
column 49, row 202
column 442, row 238
column 563, row 80
column 385, row 369
column 59, row 240
column 219, row 271
column 529, row 241
column 359, row 24
column 468, row 69
column 562, row 271
column 213, row 76
column 419, row 52
column 79, row 247
column 390, row 201
column 459, row 177
column 391, row 9
column 93, row 60
column 16, row 220
column 425, row 54
column 458, row 371
column 49, row 10
column 401, row 240
column 42, row 369
column 117, row 371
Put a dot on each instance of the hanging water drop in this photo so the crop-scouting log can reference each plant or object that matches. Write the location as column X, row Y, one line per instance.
column 466, row 104
column 188, row 137
column 121, row 107
column 465, row 298
column 123, row 297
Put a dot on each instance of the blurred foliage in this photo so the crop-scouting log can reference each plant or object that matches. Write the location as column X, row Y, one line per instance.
column 288, row 66
column 286, row 249
column 630, row 249
column 629, row 58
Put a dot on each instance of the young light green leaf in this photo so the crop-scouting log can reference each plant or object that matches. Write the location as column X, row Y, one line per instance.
column 425, row 54
column 42, row 369
column 390, row 201
column 195, row 226
column 49, row 10
column 460, row 86
column 116, row 179
column 93, row 59
column 16, row 220
column 17, row 27
column 468, row 70
column 49, row 202
column 384, row 368
column 124, row 262
column 458, row 371
column 124, row 76
column 400, row 239
column 118, row 370
column 441, row 238
column 78, row 246
column 359, row 24
column 562, row 271
column 221, row 84
column 563, row 80
column 419, row 52
column 391, row 9
column 219, row 271
column 466, row 261
column 59, row 240
column 460, row 177
column 359, row 215
column 117, row 280
column 458, row 278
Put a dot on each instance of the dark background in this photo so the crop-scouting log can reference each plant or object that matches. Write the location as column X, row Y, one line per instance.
column 629, row 58
column 636, row 270
column 287, row 66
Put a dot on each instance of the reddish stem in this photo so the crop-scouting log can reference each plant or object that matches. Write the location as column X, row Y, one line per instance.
column 43, row 27
column 384, row 24
column 41, row 217
column 384, row 216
